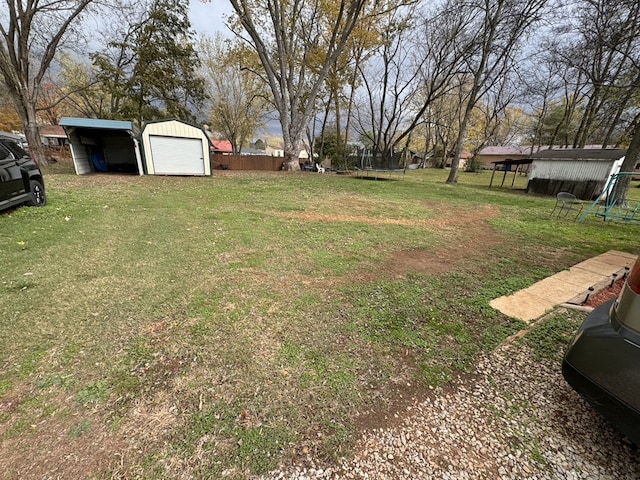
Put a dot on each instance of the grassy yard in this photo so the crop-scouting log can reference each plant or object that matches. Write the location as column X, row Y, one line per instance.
column 158, row 327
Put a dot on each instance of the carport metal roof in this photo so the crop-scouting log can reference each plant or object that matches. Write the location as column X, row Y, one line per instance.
column 96, row 123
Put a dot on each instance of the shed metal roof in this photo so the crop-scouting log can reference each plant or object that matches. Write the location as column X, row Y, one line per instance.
column 519, row 150
column 96, row 123
column 580, row 154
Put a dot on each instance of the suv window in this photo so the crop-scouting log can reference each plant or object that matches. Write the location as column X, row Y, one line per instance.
column 14, row 148
column 4, row 153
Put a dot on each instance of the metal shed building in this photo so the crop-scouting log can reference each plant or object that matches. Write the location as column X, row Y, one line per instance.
column 102, row 145
column 583, row 172
column 174, row 147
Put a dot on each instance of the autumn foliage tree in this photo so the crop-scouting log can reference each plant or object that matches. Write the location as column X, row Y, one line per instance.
column 297, row 43
column 9, row 119
column 32, row 32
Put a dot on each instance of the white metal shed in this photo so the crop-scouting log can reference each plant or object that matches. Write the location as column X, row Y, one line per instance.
column 174, row 147
column 583, row 172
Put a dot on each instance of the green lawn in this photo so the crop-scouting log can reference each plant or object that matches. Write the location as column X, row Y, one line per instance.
column 158, row 326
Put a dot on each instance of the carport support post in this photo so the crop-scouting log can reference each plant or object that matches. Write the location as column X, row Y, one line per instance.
column 504, row 177
column 515, row 174
column 492, row 175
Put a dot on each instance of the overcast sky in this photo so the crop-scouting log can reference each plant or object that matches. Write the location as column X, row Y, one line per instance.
column 208, row 17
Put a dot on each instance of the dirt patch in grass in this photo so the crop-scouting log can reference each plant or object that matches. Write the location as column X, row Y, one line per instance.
column 478, row 216
column 467, row 234
column 75, row 446
column 402, row 392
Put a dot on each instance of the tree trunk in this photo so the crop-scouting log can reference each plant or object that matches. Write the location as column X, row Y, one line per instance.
column 352, row 86
column 582, row 134
column 31, row 131
column 36, row 150
column 455, row 162
column 291, row 154
column 620, row 108
column 291, row 163
column 630, row 161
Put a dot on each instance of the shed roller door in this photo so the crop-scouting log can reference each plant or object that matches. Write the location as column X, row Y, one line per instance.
column 177, row 156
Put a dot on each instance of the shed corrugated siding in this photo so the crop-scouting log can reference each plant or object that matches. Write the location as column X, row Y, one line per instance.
column 173, row 129
column 80, row 155
column 574, row 170
column 176, row 129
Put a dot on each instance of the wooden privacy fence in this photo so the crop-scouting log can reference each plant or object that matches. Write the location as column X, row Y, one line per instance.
column 246, row 162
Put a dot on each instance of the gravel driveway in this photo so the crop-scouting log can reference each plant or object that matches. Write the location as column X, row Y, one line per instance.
column 515, row 418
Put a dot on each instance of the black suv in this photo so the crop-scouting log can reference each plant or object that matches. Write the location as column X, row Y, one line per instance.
column 602, row 362
column 20, row 178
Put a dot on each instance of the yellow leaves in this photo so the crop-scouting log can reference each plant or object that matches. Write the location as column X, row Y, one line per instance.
column 9, row 119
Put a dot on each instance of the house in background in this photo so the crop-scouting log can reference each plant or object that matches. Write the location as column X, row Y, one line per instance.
column 487, row 156
column 221, row 147
column 277, row 151
column 252, row 151
column 465, row 157
column 53, row 136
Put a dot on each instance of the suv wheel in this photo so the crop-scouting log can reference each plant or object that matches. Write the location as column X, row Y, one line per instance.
column 38, row 198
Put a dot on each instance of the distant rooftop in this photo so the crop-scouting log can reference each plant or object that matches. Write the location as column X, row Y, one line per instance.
column 52, row 131
column 526, row 150
column 222, row 146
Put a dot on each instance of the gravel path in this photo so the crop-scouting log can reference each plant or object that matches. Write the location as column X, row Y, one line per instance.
column 516, row 418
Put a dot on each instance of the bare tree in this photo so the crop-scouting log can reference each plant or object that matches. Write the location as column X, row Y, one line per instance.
column 390, row 83
column 237, row 95
column 629, row 31
column 541, row 84
column 32, row 31
column 593, row 51
column 297, row 43
column 493, row 122
column 601, row 52
column 495, row 36
column 417, row 64
column 608, row 42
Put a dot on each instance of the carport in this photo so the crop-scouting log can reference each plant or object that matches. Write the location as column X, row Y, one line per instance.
column 507, row 166
column 102, row 146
